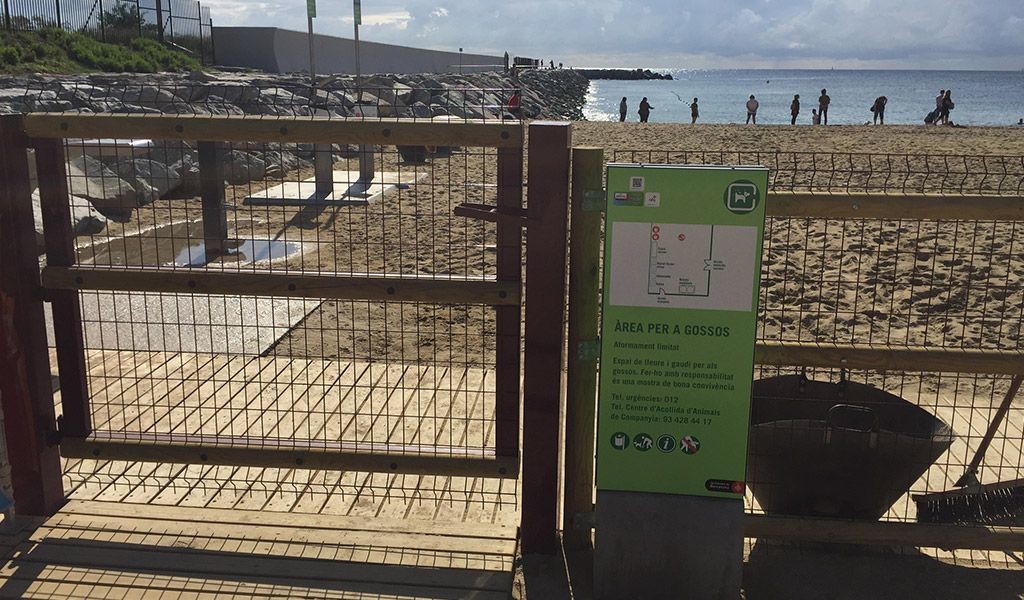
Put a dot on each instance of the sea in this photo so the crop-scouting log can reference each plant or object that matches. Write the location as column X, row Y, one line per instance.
column 980, row 97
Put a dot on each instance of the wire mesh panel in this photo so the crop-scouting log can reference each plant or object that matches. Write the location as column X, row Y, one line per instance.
column 291, row 298
column 861, row 441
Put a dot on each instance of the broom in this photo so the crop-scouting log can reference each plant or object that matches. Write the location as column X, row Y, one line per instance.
column 989, row 504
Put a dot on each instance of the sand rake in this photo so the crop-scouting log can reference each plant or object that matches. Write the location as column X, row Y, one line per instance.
column 1000, row 503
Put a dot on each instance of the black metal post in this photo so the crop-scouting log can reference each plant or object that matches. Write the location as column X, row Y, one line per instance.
column 7, row 15
column 103, row 27
column 57, row 3
column 160, row 21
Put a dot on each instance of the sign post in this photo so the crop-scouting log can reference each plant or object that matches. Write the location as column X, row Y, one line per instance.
column 682, row 267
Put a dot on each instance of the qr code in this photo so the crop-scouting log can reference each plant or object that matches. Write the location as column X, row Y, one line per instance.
column 636, row 184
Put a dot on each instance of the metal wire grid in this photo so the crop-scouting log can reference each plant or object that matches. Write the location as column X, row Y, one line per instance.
column 294, row 490
column 859, row 172
column 412, row 377
column 898, row 283
column 335, row 96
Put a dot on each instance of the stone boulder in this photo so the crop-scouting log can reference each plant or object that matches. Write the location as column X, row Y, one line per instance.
column 243, row 167
column 152, row 179
column 85, row 219
column 112, row 196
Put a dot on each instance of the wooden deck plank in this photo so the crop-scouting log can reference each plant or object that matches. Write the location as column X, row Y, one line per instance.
column 104, row 550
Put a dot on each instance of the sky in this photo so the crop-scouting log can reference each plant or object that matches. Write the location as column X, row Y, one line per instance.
column 912, row 34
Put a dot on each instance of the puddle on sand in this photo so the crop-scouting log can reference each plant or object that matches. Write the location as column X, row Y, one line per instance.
column 181, row 244
column 242, row 252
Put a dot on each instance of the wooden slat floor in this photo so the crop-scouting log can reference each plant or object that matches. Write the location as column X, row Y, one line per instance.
column 113, row 550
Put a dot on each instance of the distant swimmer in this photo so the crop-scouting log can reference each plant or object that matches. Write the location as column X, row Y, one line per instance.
column 752, row 106
column 695, row 112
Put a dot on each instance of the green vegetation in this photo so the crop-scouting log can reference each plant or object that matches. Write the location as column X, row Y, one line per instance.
column 58, row 51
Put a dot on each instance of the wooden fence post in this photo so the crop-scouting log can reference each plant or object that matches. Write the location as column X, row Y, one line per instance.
column 54, row 201
column 211, row 184
column 508, row 319
column 547, row 215
column 581, row 387
column 25, row 387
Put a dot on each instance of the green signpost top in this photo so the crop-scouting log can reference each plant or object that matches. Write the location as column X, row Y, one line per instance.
column 682, row 266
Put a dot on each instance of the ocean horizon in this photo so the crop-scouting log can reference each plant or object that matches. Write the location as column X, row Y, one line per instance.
column 980, row 97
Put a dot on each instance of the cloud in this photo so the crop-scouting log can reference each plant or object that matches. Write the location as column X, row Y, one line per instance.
column 398, row 19
column 682, row 33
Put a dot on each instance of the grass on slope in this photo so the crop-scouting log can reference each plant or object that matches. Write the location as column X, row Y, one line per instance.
column 58, row 51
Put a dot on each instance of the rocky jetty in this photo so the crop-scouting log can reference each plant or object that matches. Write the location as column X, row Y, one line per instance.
column 624, row 74
column 110, row 185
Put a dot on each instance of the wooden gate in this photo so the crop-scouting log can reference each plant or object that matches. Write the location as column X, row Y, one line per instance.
column 428, row 253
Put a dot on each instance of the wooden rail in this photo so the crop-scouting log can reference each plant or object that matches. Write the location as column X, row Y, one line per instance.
column 283, row 453
column 454, row 290
column 276, row 129
column 883, row 533
column 584, row 331
column 889, row 358
column 856, row 205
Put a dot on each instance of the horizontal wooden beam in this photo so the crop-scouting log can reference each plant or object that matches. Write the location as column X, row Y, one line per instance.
column 294, row 454
column 888, row 358
column 498, row 134
column 454, row 290
column 850, row 205
column 920, row 535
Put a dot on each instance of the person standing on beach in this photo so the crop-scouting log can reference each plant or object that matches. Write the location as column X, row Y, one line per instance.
column 645, row 110
column 823, row 102
column 694, row 111
column 938, row 107
column 794, row 109
column 752, row 106
column 945, row 107
column 623, row 109
column 815, row 117
column 879, row 109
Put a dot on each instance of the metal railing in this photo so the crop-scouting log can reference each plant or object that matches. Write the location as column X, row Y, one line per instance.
column 185, row 24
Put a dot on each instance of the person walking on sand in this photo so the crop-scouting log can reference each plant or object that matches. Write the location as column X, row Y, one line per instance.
column 645, row 110
column 815, row 117
column 752, row 106
column 794, row 109
column 879, row 109
column 623, row 109
column 944, row 108
column 938, row 107
column 694, row 111
column 823, row 102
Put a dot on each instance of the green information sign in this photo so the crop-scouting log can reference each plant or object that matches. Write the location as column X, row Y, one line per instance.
column 682, row 263
column 311, row 9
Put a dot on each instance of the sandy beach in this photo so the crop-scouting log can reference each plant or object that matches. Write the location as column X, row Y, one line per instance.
column 898, row 139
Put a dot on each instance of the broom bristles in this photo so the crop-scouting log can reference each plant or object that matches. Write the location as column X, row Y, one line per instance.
column 992, row 504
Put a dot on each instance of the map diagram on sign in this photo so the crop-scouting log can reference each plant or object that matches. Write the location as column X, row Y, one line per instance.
column 683, row 265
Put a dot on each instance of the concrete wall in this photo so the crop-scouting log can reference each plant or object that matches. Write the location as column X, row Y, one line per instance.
column 283, row 51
